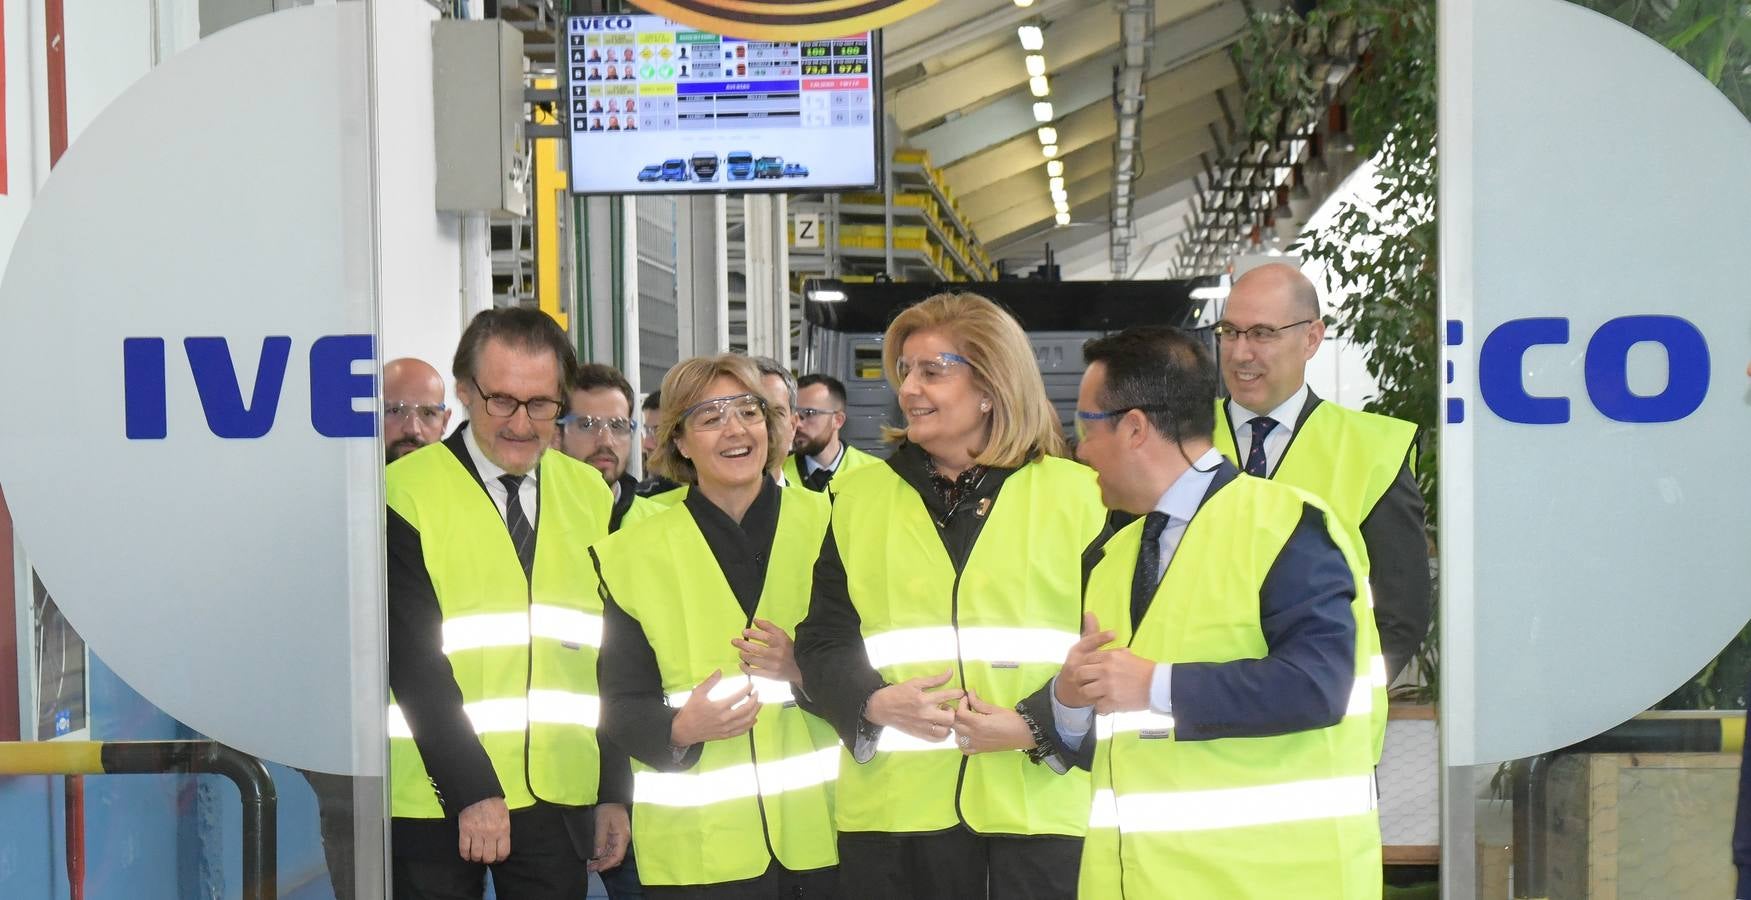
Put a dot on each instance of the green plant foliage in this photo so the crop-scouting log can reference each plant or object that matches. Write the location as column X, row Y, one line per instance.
column 1714, row 36
column 1382, row 258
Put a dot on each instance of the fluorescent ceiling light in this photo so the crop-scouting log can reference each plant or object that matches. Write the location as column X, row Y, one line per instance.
column 1031, row 37
column 1056, row 182
column 1024, row 4
column 1063, row 218
column 1055, row 168
column 1062, row 206
column 1049, row 151
column 1036, row 64
column 1042, row 112
column 1048, row 135
column 1059, row 195
column 827, row 296
column 1037, row 84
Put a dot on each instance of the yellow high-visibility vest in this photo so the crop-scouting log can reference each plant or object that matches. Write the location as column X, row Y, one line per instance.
column 853, row 460
column 1004, row 625
column 1292, row 815
column 523, row 651
column 749, row 798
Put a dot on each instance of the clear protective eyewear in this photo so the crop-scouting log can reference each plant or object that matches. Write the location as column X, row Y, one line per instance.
column 1083, row 418
column 931, row 369
column 1228, row 332
column 717, row 413
column 806, row 413
column 618, row 427
column 431, row 414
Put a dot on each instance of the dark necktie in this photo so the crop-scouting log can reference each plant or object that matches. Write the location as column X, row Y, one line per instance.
column 1144, row 579
column 1255, row 458
column 522, row 533
column 817, row 480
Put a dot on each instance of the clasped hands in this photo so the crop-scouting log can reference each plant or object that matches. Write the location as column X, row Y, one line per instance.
column 766, row 651
column 1111, row 681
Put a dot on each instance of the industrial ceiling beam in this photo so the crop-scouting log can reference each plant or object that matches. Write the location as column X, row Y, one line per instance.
column 1177, row 43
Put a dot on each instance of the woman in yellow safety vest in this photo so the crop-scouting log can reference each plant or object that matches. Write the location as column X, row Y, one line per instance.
column 947, row 594
column 732, row 776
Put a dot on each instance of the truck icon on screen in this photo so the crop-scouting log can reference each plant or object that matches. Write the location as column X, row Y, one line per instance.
column 674, row 170
column 704, row 166
column 769, row 167
column 740, row 164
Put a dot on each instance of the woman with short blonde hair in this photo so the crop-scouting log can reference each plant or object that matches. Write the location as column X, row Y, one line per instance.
column 733, row 773
column 947, row 594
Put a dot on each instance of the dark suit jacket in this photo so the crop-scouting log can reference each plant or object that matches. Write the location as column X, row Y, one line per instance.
column 1398, row 552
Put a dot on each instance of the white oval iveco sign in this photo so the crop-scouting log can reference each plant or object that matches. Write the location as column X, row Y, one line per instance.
column 186, row 332
column 1596, row 207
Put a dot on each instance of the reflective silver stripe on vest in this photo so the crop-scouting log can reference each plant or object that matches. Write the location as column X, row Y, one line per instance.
column 568, row 626
column 515, row 714
column 893, row 740
column 766, row 779
column 1002, row 647
column 1212, row 810
column 1149, row 722
column 766, row 690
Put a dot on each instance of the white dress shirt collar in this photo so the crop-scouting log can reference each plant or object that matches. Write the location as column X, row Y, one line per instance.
column 1286, row 414
column 1181, row 499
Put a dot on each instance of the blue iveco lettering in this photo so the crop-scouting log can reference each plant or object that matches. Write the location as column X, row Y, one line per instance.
column 1501, row 367
column 333, row 386
column 603, row 23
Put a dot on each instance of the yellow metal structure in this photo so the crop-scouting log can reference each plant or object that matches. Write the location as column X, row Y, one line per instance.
column 550, row 186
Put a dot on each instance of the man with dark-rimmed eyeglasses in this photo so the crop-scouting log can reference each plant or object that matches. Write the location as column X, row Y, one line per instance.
column 1362, row 464
column 493, row 635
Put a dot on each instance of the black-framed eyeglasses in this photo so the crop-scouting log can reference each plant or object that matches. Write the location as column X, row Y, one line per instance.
column 1228, row 332
column 1083, row 418
column 504, row 406
column 806, row 413
column 425, row 413
column 617, row 426
column 717, row 413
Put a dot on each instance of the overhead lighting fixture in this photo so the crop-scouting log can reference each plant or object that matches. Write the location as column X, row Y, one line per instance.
column 1048, row 135
column 1062, row 206
column 1063, row 218
column 1036, row 64
column 1056, row 182
column 1209, row 293
column 1055, row 168
column 1032, row 38
column 1059, row 195
column 1042, row 112
column 1037, row 84
column 1024, row 4
column 1049, row 151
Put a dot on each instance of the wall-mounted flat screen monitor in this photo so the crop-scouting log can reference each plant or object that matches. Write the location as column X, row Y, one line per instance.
column 657, row 107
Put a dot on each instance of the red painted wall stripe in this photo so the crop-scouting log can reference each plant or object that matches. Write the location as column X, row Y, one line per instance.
column 57, row 59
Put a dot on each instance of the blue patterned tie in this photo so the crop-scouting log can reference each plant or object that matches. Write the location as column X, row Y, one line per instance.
column 1255, row 458
column 1147, row 575
column 522, row 532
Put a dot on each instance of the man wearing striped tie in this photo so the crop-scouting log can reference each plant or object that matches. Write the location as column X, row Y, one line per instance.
column 1360, row 464
column 494, row 629
column 1223, row 676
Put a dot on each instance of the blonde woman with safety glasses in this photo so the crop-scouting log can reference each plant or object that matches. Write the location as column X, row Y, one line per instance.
column 733, row 777
column 946, row 596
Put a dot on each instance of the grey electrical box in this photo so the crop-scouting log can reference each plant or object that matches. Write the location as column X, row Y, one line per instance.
column 477, row 83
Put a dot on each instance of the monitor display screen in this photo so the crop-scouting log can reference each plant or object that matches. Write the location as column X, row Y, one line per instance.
column 657, row 107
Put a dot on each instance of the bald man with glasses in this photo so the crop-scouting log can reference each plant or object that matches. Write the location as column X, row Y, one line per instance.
column 1272, row 426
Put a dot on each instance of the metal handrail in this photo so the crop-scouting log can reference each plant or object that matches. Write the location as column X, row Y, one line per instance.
column 1650, row 733
column 254, row 785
